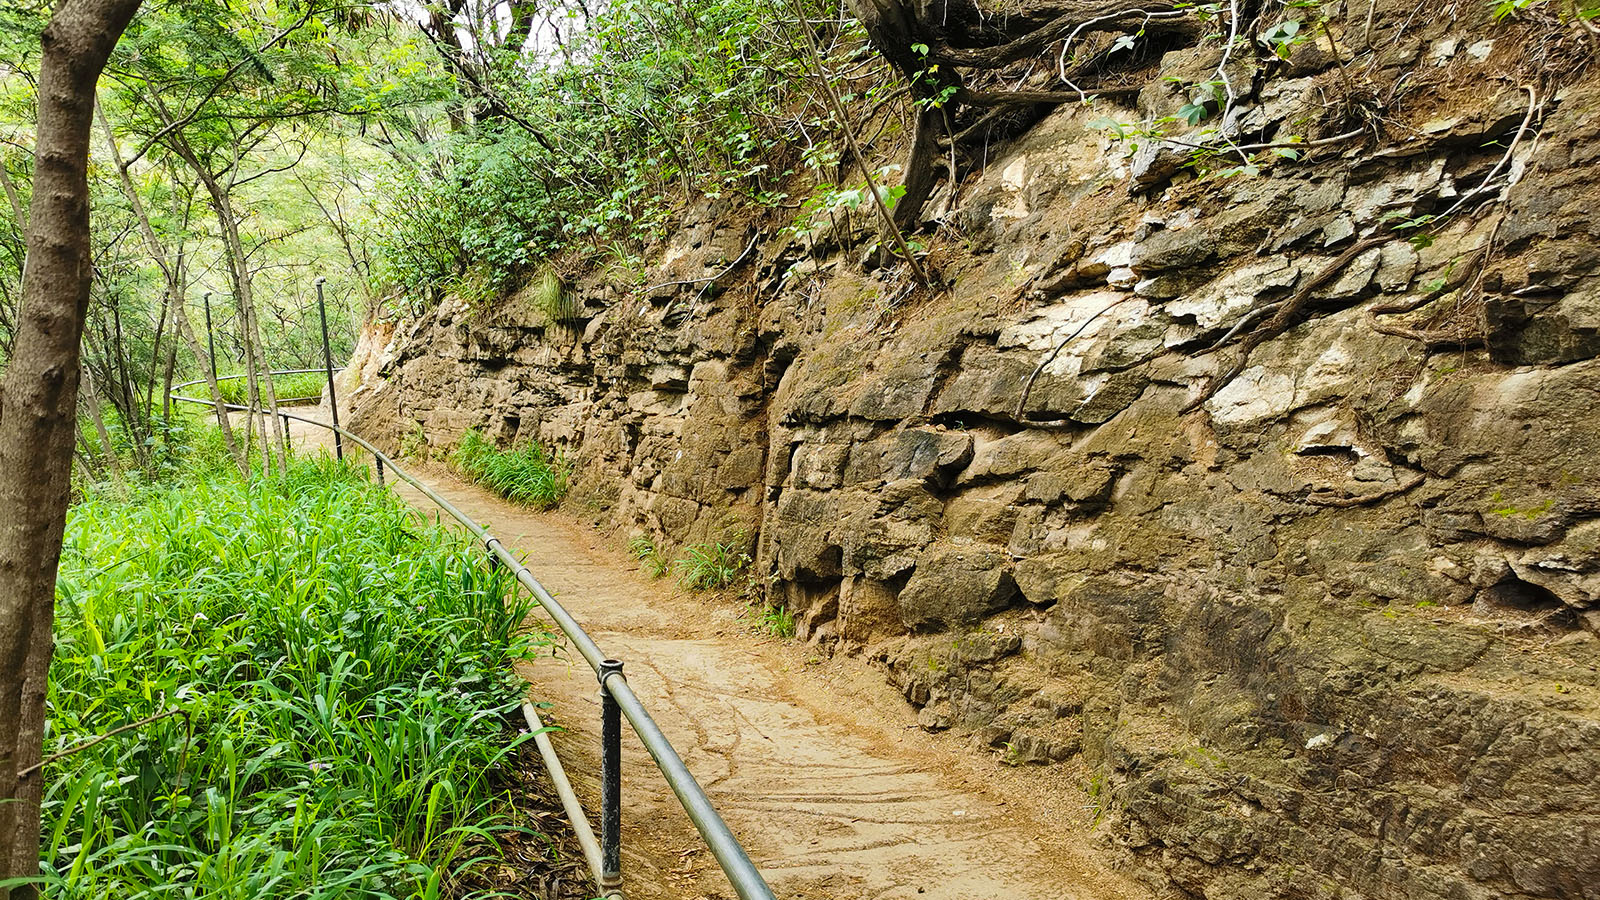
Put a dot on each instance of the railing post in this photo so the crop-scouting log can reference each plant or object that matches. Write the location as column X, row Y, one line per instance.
column 327, row 359
column 610, row 779
column 210, row 338
column 378, row 461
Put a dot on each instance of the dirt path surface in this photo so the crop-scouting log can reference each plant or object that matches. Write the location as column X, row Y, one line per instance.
column 816, row 764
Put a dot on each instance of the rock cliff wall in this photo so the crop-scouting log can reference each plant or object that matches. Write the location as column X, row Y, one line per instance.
column 1329, row 634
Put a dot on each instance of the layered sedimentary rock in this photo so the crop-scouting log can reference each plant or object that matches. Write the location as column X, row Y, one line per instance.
column 1330, row 633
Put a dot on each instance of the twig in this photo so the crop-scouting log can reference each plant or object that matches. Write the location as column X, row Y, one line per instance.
column 731, row 266
column 56, row 757
column 1027, row 387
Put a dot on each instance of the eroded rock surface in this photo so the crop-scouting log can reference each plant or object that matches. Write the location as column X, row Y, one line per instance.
column 1331, row 634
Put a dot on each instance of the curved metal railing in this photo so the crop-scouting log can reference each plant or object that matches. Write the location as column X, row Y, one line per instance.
column 617, row 698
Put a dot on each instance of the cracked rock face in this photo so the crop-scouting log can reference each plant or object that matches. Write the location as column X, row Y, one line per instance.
column 1333, row 633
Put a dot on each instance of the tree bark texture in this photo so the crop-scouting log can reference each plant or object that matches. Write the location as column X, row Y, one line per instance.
column 38, row 427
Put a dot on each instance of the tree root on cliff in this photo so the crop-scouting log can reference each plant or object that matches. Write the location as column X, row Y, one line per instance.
column 1438, row 338
column 1286, row 314
column 1290, row 308
column 1027, row 386
column 1345, row 502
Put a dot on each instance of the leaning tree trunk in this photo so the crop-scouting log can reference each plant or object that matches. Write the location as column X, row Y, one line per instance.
column 38, row 427
column 172, row 270
column 258, row 379
column 894, row 29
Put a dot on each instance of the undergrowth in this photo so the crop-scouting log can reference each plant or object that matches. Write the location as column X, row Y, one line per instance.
column 718, row 566
column 526, row 474
column 712, row 565
column 327, row 682
column 772, row 618
column 301, row 386
column 652, row 560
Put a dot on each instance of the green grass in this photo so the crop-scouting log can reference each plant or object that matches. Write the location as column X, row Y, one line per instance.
column 772, row 618
column 713, row 565
column 525, row 474
column 651, row 560
column 304, row 386
column 344, row 676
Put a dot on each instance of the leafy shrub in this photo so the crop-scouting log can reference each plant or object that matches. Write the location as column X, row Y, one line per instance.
column 343, row 674
column 525, row 474
column 647, row 105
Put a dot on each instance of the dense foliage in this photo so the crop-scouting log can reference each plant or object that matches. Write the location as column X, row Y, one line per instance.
column 526, row 474
column 341, row 674
column 299, row 386
column 601, row 135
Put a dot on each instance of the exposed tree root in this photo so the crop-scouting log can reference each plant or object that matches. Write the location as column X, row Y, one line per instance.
column 1337, row 502
column 1287, row 312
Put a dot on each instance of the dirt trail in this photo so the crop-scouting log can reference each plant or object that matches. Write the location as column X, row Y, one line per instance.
column 816, row 764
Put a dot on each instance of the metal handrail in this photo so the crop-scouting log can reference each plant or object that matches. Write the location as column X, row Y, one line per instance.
column 730, row 855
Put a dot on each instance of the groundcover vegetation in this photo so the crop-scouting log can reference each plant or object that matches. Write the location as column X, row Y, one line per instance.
column 299, row 386
column 526, row 474
column 330, row 682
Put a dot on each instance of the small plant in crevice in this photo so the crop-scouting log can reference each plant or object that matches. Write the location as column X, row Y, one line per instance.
column 772, row 618
column 415, row 444
column 763, row 612
column 712, row 565
column 651, row 560
column 528, row 474
column 1096, row 789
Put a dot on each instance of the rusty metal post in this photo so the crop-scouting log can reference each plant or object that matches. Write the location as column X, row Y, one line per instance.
column 211, row 341
column 327, row 359
column 610, row 779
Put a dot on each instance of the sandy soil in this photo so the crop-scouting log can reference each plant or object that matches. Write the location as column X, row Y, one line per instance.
column 816, row 764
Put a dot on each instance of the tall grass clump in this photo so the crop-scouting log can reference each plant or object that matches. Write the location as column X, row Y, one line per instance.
column 712, row 565
column 525, row 474
column 337, row 675
column 287, row 388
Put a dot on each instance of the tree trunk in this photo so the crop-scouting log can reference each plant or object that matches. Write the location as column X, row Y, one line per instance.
column 177, row 290
column 249, row 329
column 39, row 424
column 108, row 450
column 921, row 173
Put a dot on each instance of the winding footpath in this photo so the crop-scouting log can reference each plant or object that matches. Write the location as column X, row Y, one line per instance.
column 816, row 764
